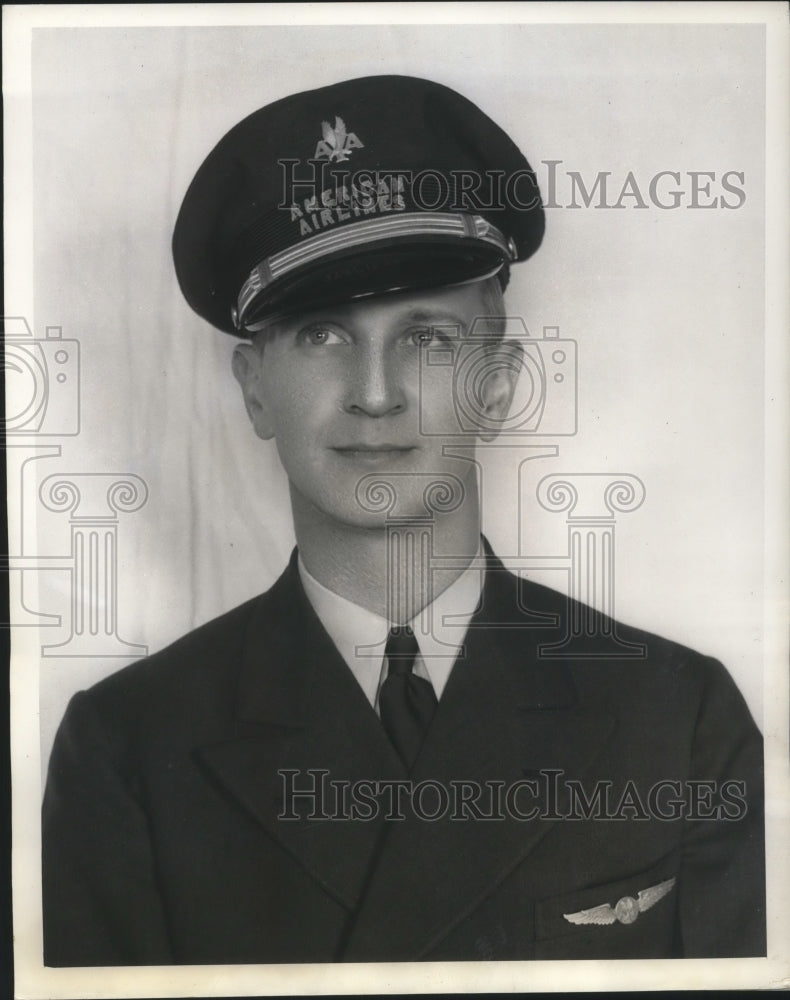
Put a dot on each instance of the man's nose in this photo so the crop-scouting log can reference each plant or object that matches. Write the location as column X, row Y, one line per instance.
column 376, row 382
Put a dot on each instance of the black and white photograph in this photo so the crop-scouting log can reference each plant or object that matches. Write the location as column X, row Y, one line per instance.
column 396, row 441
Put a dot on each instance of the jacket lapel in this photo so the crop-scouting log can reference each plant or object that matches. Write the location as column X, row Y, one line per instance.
column 504, row 716
column 299, row 709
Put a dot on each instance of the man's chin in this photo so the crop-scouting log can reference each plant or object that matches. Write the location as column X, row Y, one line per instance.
column 377, row 499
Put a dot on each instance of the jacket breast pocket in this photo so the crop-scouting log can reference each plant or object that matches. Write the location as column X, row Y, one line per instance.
column 634, row 917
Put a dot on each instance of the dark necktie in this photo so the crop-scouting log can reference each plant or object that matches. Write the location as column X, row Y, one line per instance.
column 407, row 703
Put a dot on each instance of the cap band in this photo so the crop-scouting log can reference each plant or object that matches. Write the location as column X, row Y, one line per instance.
column 441, row 224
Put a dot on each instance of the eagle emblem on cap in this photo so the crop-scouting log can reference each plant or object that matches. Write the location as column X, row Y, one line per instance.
column 625, row 910
column 337, row 143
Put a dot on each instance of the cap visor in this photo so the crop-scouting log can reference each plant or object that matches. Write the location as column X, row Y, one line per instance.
column 360, row 273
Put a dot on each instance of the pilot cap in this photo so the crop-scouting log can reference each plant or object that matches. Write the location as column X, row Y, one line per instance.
column 364, row 187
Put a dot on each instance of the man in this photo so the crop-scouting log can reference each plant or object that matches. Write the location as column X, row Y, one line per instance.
column 388, row 756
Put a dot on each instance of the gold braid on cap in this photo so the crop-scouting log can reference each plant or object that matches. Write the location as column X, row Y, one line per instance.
column 457, row 225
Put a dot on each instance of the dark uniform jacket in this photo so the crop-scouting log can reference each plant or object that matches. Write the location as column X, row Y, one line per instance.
column 165, row 842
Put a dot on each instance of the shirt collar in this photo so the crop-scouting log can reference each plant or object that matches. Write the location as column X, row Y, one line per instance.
column 360, row 635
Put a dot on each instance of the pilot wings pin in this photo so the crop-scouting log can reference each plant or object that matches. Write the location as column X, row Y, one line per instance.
column 625, row 910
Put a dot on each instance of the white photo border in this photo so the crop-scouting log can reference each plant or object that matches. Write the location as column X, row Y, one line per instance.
column 33, row 980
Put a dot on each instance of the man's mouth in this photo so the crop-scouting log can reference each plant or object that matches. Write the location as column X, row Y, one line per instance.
column 382, row 452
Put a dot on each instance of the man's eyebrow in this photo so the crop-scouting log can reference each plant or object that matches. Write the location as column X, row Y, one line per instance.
column 431, row 317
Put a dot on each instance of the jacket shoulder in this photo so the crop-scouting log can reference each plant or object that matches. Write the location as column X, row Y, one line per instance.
column 594, row 643
column 197, row 672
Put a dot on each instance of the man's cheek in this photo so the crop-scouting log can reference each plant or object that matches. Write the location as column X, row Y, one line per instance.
column 438, row 403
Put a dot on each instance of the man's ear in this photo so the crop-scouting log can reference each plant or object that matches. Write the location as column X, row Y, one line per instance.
column 247, row 366
column 502, row 371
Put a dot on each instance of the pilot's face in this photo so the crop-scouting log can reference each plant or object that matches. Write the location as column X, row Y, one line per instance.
column 359, row 415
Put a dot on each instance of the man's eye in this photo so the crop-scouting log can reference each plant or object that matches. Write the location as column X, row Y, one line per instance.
column 422, row 336
column 319, row 336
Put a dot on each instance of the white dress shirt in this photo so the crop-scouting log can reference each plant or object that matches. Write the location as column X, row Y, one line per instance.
column 360, row 635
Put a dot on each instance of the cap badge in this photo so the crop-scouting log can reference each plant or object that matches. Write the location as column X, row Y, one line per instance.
column 337, row 144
